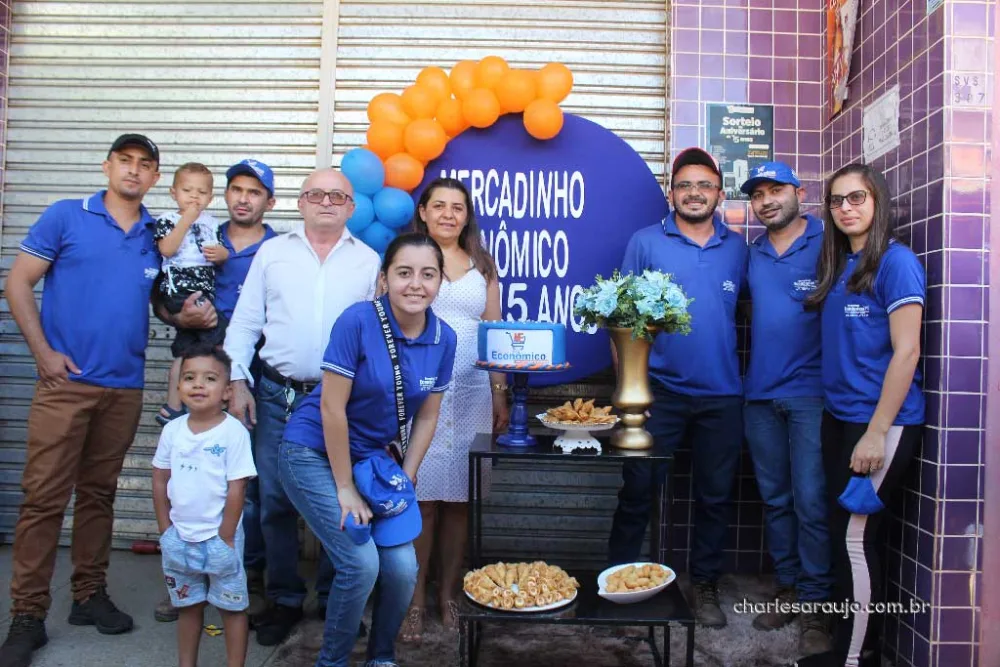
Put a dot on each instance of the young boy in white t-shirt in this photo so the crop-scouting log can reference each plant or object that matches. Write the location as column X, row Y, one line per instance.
column 200, row 472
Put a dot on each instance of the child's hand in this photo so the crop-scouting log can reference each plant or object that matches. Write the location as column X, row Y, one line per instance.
column 190, row 211
column 216, row 253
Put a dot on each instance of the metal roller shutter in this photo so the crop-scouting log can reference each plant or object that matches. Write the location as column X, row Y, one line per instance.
column 617, row 53
column 205, row 82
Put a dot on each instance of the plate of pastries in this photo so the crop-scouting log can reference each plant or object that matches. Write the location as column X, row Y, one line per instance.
column 579, row 413
column 633, row 582
column 521, row 587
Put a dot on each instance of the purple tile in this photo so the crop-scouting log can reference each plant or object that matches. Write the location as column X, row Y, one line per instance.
column 963, row 447
column 966, row 126
column 737, row 67
column 686, row 17
column 966, row 268
column 713, row 17
column 761, row 44
column 810, row 69
column 925, row 581
column 955, row 589
column 685, row 40
column 933, row 372
column 810, row 143
column 935, row 27
column 925, row 547
column 965, row 375
column 935, row 189
column 787, row 46
column 760, row 92
column 965, row 231
column 966, row 304
column 959, row 516
column 810, row 22
column 784, row 69
column 686, row 64
column 713, row 90
column 784, row 92
column 811, row 95
column 737, row 42
column 954, row 654
column 760, row 20
column 712, row 41
column 737, row 20
column 685, row 88
column 934, row 267
column 921, row 652
column 712, row 66
column 685, row 113
column 963, row 411
column 962, row 481
column 955, row 625
column 784, row 141
column 761, row 68
column 736, row 90
column 922, row 623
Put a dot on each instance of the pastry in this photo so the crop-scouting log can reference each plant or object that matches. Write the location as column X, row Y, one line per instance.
column 519, row 585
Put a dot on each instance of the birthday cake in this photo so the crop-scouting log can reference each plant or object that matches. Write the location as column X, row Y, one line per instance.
column 522, row 346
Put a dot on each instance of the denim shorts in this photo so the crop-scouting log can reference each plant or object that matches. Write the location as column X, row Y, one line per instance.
column 209, row 571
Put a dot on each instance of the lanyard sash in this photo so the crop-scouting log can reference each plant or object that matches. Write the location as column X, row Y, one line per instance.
column 397, row 380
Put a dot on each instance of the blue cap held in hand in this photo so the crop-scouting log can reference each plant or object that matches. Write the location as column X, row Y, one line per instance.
column 860, row 496
column 772, row 172
column 359, row 533
column 254, row 168
column 392, row 499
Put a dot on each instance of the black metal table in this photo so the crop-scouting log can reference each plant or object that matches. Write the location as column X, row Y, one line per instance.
column 668, row 606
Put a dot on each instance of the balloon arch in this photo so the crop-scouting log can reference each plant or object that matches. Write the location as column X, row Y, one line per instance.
column 409, row 130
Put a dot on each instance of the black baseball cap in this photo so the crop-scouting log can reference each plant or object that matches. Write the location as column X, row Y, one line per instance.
column 140, row 140
column 694, row 155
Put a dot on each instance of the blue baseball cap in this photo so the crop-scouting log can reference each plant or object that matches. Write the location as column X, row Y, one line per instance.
column 860, row 496
column 254, row 168
column 774, row 172
column 392, row 499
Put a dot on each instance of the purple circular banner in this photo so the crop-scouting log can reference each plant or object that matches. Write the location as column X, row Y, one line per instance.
column 554, row 214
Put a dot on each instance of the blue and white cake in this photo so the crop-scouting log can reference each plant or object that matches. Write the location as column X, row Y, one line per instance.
column 522, row 346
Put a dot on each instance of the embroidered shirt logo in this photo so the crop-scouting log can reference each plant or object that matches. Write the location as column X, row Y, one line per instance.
column 855, row 310
column 729, row 286
column 804, row 285
column 150, row 273
column 216, row 450
column 426, row 384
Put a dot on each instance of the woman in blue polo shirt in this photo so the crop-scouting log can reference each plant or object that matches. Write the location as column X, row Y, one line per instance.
column 871, row 290
column 338, row 462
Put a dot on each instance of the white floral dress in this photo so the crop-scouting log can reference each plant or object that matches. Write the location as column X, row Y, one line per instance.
column 467, row 406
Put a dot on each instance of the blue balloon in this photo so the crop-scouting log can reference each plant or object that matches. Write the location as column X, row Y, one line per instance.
column 364, row 213
column 378, row 236
column 364, row 170
column 393, row 207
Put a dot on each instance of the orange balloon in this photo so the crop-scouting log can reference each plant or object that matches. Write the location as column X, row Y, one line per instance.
column 543, row 119
column 462, row 78
column 554, row 82
column 424, row 139
column 449, row 114
column 388, row 107
column 419, row 102
column 385, row 138
column 436, row 80
column 489, row 71
column 516, row 91
column 481, row 108
column 403, row 171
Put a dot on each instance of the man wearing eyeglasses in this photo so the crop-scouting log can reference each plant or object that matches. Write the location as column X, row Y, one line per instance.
column 695, row 378
column 298, row 285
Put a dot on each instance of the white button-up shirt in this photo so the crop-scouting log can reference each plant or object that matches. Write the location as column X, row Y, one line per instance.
column 292, row 299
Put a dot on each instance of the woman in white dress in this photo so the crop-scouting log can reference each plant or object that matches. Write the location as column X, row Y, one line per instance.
column 475, row 403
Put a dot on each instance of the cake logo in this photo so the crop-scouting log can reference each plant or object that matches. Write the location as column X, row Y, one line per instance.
column 516, row 340
column 552, row 214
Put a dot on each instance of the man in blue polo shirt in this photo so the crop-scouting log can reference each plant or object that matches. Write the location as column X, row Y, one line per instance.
column 98, row 259
column 249, row 195
column 695, row 379
column 784, row 395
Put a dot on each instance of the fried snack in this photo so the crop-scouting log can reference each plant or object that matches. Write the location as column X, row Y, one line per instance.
column 519, row 585
column 631, row 579
column 580, row 411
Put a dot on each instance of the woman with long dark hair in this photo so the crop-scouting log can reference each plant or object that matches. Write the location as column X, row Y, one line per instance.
column 470, row 293
column 871, row 290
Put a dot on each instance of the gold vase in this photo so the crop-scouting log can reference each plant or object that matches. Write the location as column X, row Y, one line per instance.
column 632, row 395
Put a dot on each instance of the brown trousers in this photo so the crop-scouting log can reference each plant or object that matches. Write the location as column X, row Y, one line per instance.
column 77, row 437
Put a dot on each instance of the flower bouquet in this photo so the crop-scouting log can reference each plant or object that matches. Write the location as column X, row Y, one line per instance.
column 634, row 309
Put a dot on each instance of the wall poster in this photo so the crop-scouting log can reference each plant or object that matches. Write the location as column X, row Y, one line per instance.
column 740, row 137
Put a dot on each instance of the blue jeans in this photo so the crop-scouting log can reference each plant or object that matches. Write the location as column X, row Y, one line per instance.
column 307, row 477
column 784, row 440
column 278, row 517
column 712, row 428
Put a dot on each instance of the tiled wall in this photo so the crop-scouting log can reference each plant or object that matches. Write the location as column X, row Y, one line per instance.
column 939, row 177
column 757, row 52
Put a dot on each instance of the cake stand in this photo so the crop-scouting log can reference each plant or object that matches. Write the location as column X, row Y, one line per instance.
column 576, row 435
column 517, row 434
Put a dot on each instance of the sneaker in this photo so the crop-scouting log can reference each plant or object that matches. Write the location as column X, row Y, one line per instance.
column 165, row 611
column 258, row 599
column 777, row 618
column 100, row 611
column 814, row 634
column 276, row 624
column 706, row 605
column 26, row 635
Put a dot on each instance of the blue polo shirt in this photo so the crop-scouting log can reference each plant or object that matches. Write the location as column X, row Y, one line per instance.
column 857, row 347
column 357, row 351
column 704, row 362
column 230, row 276
column 95, row 299
column 784, row 336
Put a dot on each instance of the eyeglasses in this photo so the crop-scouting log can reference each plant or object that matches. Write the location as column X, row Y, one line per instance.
column 337, row 198
column 856, row 198
column 700, row 185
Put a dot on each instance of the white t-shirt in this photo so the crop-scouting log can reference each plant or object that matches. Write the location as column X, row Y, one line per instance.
column 201, row 467
column 203, row 232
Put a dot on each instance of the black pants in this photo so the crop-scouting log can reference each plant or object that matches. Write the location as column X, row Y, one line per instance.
column 713, row 428
column 855, row 538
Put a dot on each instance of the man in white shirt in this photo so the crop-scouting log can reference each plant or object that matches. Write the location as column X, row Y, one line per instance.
column 298, row 285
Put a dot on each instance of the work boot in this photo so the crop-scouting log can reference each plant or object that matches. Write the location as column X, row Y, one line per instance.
column 255, row 587
column 165, row 611
column 706, row 605
column 100, row 611
column 781, row 615
column 276, row 624
column 26, row 635
column 814, row 634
